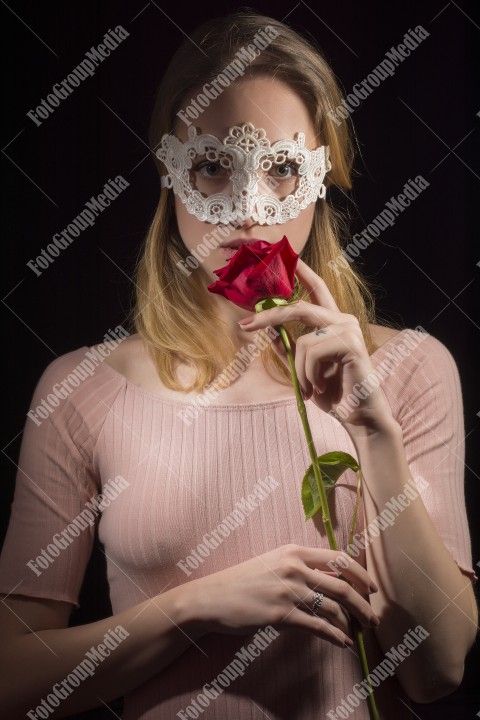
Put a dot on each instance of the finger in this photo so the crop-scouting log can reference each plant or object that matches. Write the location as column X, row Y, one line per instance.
column 319, row 374
column 344, row 594
column 319, row 626
column 309, row 370
column 279, row 347
column 330, row 610
column 317, row 287
column 301, row 311
column 298, row 352
column 300, row 357
column 350, row 599
column 340, row 563
column 316, row 362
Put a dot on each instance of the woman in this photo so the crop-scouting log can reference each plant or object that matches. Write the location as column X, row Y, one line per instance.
column 252, row 620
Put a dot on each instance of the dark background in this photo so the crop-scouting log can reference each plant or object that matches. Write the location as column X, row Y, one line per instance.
column 423, row 120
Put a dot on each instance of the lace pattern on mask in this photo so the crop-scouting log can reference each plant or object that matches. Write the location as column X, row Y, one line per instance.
column 245, row 152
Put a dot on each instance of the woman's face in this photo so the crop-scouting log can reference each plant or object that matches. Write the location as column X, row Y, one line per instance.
column 275, row 107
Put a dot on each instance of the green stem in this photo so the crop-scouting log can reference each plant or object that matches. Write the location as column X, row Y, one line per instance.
column 327, row 522
column 311, row 447
column 372, row 707
column 355, row 510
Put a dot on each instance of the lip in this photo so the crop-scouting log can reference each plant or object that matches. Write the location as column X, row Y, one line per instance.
column 239, row 241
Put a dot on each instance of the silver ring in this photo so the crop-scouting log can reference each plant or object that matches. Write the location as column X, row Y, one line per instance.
column 317, row 602
column 320, row 331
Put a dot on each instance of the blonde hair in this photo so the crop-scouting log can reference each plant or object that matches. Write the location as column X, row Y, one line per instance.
column 174, row 312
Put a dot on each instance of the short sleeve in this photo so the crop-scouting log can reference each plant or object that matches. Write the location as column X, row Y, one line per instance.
column 426, row 396
column 51, row 531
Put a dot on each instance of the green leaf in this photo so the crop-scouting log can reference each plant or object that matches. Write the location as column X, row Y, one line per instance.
column 332, row 465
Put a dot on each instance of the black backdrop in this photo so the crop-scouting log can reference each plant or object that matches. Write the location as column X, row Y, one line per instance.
column 423, row 120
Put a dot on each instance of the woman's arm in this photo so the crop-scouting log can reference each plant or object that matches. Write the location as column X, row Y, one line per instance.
column 274, row 589
column 39, row 651
column 411, row 555
column 420, row 584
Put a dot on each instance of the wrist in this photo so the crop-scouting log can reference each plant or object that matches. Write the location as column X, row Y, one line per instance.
column 380, row 430
column 381, row 456
column 189, row 609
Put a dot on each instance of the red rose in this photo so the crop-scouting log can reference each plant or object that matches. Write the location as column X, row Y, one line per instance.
column 256, row 272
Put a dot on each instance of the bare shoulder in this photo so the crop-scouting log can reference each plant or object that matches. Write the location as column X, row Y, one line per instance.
column 130, row 349
column 131, row 359
column 382, row 334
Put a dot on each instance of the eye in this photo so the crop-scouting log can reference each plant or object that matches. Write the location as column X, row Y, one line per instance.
column 286, row 170
column 209, row 169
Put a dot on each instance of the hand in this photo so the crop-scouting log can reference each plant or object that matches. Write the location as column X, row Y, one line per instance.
column 278, row 588
column 332, row 364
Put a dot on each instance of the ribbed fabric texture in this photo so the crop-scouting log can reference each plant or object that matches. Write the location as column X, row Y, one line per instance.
column 184, row 480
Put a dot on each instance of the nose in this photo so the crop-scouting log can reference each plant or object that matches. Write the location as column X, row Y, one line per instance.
column 244, row 224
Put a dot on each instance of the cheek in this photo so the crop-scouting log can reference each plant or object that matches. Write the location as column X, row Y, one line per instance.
column 298, row 229
column 189, row 227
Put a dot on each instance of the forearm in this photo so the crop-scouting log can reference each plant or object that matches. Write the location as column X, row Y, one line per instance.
column 419, row 583
column 159, row 630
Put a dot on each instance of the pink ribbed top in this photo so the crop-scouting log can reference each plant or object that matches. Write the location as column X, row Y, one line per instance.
column 184, row 480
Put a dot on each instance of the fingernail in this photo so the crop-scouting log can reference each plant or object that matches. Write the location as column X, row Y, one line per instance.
column 348, row 642
column 246, row 321
column 373, row 587
column 374, row 621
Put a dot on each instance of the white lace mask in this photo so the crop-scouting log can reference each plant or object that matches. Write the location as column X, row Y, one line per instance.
column 244, row 165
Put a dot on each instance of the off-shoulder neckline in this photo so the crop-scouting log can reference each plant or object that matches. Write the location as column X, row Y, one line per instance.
column 133, row 387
